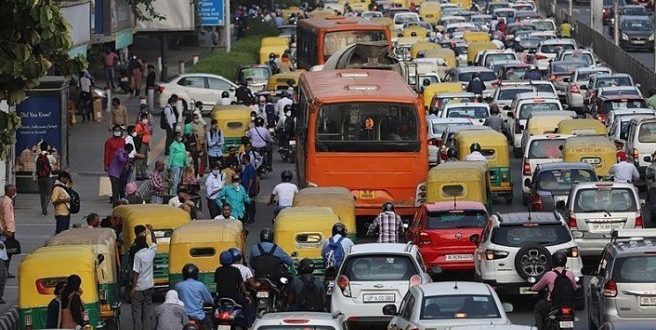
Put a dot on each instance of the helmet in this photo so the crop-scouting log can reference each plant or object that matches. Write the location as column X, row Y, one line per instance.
column 259, row 121
column 226, row 258
column 236, row 254
column 559, row 259
column 272, row 55
column 474, row 147
column 225, row 94
column 306, row 266
column 287, row 107
column 190, row 271
column 266, row 235
column 388, row 207
column 452, row 153
column 286, row 176
column 284, row 94
column 339, row 228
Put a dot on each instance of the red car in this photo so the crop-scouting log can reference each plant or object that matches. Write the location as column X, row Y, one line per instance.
column 441, row 230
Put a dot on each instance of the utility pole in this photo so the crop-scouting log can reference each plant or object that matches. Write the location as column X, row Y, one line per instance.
column 571, row 4
column 227, row 20
column 616, row 25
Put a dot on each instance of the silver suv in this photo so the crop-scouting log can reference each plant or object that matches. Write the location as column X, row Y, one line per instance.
column 623, row 286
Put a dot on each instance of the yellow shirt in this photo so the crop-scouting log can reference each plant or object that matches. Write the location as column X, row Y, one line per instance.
column 61, row 208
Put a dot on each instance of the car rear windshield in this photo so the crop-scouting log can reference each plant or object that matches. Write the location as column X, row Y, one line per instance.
column 509, row 94
column 526, row 109
column 459, row 307
column 614, row 81
column 605, row 200
column 585, row 75
column 296, row 327
column 543, row 234
column 545, row 26
column 562, row 180
column 516, row 73
column 546, row 149
column 647, row 133
column 467, row 112
column 585, row 57
column 455, row 219
column 636, row 269
column 438, row 129
column 622, row 104
column 379, row 267
column 484, row 75
column 555, row 48
column 499, row 57
column 568, row 67
column 620, row 91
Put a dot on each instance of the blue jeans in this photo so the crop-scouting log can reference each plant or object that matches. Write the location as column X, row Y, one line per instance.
column 110, row 76
column 176, row 174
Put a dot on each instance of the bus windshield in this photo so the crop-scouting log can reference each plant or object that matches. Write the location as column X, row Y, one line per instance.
column 367, row 127
column 334, row 41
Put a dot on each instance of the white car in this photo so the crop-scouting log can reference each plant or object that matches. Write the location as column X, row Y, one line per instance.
column 616, row 114
column 374, row 275
column 541, row 86
column 191, row 87
column 445, row 304
column 491, row 55
column 521, row 109
column 307, row 320
column 400, row 19
column 372, row 14
column 515, row 250
column 437, row 126
column 548, row 50
column 641, row 142
column 476, row 112
column 577, row 91
column 540, row 149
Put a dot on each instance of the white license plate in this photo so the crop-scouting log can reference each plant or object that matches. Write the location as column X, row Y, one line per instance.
column 223, row 327
column 459, row 257
column 606, row 226
column 526, row 290
column 378, row 298
column 566, row 324
column 647, row 301
column 262, row 294
column 292, row 143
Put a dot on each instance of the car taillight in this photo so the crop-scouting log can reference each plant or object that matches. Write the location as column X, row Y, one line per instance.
column 638, row 221
column 343, row 284
column 609, row 289
column 495, row 83
column 573, row 252
column 636, row 155
column 424, row 239
column 573, row 88
column 526, row 168
column 415, row 280
column 494, row 254
column 571, row 221
column 540, row 57
column 160, row 89
column 536, row 202
column 518, row 127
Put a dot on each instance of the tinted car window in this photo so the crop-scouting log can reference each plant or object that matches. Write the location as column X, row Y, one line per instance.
column 554, row 49
column 543, row 234
column 484, row 75
column 545, row 149
column 559, row 180
column 638, row 269
column 622, row 104
column 601, row 200
column 509, row 94
column 586, row 57
column 568, row 67
column 379, row 267
column 647, row 133
column 467, row 112
column 614, row 81
column 459, row 306
column 455, row 219
column 499, row 57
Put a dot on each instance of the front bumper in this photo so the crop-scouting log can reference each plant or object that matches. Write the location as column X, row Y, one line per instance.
column 630, row 44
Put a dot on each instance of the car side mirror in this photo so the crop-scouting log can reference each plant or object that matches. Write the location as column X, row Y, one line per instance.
column 510, row 114
column 508, row 308
column 647, row 159
column 476, row 239
column 232, row 89
column 560, row 205
column 643, row 202
column 637, row 85
column 389, row 310
column 527, row 182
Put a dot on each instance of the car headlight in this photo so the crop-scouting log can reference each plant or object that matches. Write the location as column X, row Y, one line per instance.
column 651, row 37
column 625, row 37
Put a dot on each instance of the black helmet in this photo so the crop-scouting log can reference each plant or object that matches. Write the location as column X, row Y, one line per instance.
column 287, row 107
column 286, row 176
column 339, row 228
column 452, row 153
column 388, row 207
column 284, row 94
column 266, row 235
column 190, row 271
column 225, row 94
column 474, row 147
column 559, row 259
column 306, row 266
column 259, row 121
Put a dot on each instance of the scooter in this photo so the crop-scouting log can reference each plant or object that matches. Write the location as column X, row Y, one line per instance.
column 229, row 315
column 270, row 297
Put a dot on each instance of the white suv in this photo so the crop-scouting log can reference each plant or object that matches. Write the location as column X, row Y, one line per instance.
column 515, row 249
column 521, row 109
column 374, row 275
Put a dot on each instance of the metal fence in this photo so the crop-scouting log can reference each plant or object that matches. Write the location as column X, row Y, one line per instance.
column 614, row 56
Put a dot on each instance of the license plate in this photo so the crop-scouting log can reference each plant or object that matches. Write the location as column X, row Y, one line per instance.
column 647, row 301
column 566, row 324
column 223, row 327
column 638, row 42
column 367, row 194
column 606, row 226
column 526, row 290
column 378, row 298
column 262, row 294
column 292, row 143
column 459, row 257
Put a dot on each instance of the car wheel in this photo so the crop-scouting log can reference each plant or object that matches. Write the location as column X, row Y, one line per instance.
column 533, row 260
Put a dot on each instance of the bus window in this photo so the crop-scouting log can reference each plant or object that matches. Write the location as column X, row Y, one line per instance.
column 357, row 127
column 334, row 41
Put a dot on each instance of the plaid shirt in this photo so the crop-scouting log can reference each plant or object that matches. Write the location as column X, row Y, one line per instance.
column 157, row 183
column 390, row 223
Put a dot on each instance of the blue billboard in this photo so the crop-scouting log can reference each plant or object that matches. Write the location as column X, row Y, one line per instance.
column 211, row 12
column 40, row 121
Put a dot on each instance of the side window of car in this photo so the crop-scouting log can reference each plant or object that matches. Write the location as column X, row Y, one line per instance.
column 404, row 302
column 603, row 264
column 407, row 312
column 218, row 84
column 420, row 261
column 487, row 231
column 197, row 82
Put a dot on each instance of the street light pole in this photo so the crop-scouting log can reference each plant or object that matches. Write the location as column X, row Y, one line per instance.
column 616, row 25
column 571, row 4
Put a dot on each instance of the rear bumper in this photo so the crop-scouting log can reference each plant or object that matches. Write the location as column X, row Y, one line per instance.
column 378, row 321
column 438, row 258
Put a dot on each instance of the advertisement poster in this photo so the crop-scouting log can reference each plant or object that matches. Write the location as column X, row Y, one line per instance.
column 40, row 121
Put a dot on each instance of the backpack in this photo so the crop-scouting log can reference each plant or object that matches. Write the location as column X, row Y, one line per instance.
column 43, row 168
column 75, row 199
column 563, row 292
column 334, row 253
column 163, row 123
column 309, row 299
column 267, row 265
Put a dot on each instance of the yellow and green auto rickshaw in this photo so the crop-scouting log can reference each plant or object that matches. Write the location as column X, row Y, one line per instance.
column 103, row 242
column 596, row 150
column 587, row 126
column 40, row 271
column 201, row 242
column 280, row 81
column 233, row 122
column 341, row 201
column 494, row 146
column 459, row 180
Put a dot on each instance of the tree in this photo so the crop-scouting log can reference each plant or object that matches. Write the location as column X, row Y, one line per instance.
column 143, row 10
column 33, row 35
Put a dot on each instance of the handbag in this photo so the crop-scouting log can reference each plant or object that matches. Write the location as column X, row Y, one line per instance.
column 12, row 245
column 104, row 187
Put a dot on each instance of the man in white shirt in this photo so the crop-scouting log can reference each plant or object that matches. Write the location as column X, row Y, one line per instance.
column 282, row 102
column 179, row 199
column 624, row 171
column 143, row 282
column 476, row 154
column 283, row 192
column 246, row 273
column 213, row 185
column 226, row 213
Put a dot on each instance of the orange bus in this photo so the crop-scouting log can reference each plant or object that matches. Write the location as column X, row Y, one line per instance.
column 364, row 130
column 320, row 37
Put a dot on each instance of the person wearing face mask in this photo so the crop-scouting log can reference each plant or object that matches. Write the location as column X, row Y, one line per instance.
column 119, row 114
column 112, row 144
column 143, row 134
column 214, row 140
column 235, row 195
column 61, row 200
column 176, row 161
column 117, row 169
column 7, row 222
column 130, row 139
column 198, row 154
column 213, row 185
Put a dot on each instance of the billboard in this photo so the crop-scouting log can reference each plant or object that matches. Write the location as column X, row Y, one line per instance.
column 40, row 121
column 211, row 12
column 178, row 16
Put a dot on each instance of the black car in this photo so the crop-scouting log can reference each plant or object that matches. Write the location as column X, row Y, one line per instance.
column 551, row 184
column 636, row 32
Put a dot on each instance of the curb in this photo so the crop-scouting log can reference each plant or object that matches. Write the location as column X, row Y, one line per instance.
column 9, row 319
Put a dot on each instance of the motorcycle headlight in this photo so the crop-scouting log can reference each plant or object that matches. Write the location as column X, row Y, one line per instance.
column 651, row 37
column 625, row 37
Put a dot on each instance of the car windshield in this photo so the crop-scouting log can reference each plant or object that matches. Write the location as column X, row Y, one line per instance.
column 334, row 41
column 585, row 57
column 614, row 81
column 562, row 180
column 635, row 269
column 438, row 129
column 622, row 104
column 546, row 149
column 633, row 11
column 509, row 94
column 379, row 267
column 531, row 233
column 516, row 73
column 605, row 200
column 260, row 73
column 647, row 133
column 456, row 219
column 360, row 127
column 555, row 48
column 637, row 25
column 459, row 307
column 484, row 75
column 474, row 112
column 526, row 109
column 499, row 57
column 567, row 67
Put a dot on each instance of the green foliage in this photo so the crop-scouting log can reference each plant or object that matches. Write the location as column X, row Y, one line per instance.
column 34, row 35
column 143, row 10
column 287, row 3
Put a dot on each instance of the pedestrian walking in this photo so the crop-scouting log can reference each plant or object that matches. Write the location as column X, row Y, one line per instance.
column 143, row 132
column 71, row 309
column 226, row 213
column 52, row 318
column 624, row 171
column 176, row 161
column 7, row 222
column 61, row 200
column 116, row 171
column 86, row 82
column 151, row 77
column 109, row 59
column 235, row 195
column 42, row 174
column 113, row 143
column 495, row 121
column 135, row 68
column 250, row 181
column 157, row 184
column 119, row 115
column 214, row 142
column 4, row 271
column 170, row 121
column 143, row 282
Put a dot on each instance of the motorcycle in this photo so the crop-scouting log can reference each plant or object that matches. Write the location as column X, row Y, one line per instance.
column 329, row 284
column 560, row 317
column 269, row 296
column 288, row 152
column 229, row 315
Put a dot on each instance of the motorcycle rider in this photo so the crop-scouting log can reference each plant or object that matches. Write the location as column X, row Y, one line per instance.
column 476, row 85
column 246, row 273
column 267, row 258
column 225, row 98
column 230, row 284
column 624, row 171
column 280, row 126
column 193, row 293
column 390, row 224
column 306, row 292
column 544, row 306
column 339, row 237
column 262, row 141
column 284, row 192
column 475, row 153
column 244, row 94
column 285, row 99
